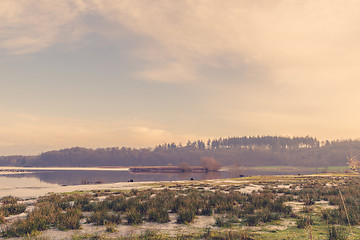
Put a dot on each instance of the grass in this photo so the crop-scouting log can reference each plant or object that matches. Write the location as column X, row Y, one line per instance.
column 287, row 168
column 265, row 214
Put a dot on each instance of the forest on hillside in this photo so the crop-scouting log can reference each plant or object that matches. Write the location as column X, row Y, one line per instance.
column 232, row 151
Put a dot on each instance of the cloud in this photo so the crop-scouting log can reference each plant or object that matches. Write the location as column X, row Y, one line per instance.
column 296, row 41
column 289, row 62
column 31, row 26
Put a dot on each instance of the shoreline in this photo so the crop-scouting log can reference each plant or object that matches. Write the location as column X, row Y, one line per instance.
column 243, row 189
column 35, row 192
column 67, row 168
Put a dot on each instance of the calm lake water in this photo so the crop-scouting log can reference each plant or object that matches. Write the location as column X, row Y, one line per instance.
column 75, row 176
column 39, row 181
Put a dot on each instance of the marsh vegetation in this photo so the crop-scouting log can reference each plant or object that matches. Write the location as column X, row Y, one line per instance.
column 264, row 207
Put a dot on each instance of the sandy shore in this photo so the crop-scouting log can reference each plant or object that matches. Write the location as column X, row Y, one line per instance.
column 12, row 173
column 171, row 228
column 65, row 168
column 35, row 192
column 286, row 226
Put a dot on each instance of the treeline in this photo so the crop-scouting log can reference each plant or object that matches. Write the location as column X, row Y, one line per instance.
column 270, row 142
column 238, row 151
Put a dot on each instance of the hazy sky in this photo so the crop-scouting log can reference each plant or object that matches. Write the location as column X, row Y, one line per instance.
column 138, row 73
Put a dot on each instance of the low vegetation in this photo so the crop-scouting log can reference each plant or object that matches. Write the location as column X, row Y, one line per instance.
column 317, row 207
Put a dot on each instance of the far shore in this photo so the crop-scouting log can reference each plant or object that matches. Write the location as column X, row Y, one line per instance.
column 116, row 168
column 13, row 172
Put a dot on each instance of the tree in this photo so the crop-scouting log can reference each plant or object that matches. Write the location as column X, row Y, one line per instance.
column 354, row 164
column 210, row 164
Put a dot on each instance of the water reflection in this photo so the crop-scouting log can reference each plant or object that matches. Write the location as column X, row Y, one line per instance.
column 80, row 177
column 76, row 177
column 24, row 181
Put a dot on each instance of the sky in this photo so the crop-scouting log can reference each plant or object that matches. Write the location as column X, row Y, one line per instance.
column 138, row 73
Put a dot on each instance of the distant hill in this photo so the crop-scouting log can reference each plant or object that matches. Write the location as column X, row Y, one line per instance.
column 239, row 151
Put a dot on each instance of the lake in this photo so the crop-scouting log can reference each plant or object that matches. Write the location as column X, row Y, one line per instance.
column 37, row 181
column 54, row 177
column 77, row 176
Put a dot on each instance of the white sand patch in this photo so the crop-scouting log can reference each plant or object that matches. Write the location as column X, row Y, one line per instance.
column 13, row 218
column 41, row 191
column 285, row 223
column 224, row 181
column 330, row 185
column 6, row 172
column 27, row 201
column 21, row 216
column 171, row 228
column 296, row 206
column 251, row 188
column 203, row 222
column 324, row 205
column 102, row 198
column 65, row 168
column 55, row 234
column 251, row 228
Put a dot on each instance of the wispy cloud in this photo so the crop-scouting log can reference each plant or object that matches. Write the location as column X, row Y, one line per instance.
column 31, row 26
column 293, row 63
column 299, row 41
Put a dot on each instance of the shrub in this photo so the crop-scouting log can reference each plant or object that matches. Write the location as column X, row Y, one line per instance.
column 229, row 235
column 45, row 215
column 110, row 228
column 252, row 220
column 183, row 202
column 338, row 216
column 185, row 216
column 206, row 210
column 278, row 206
column 150, row 234
column 117, row 204
column 225, row 221
column 310, row 201
column 89, row 207
column 2, row 217
column 306, row 209
column 266, row 216
column 133, row 217
column 103, row 218
column 337, row 233
column 9, row 200
column 247, row 209
column 38, row 220
column 159, row 215
column 13, row 209
column 70, row 219
column 304, row 222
